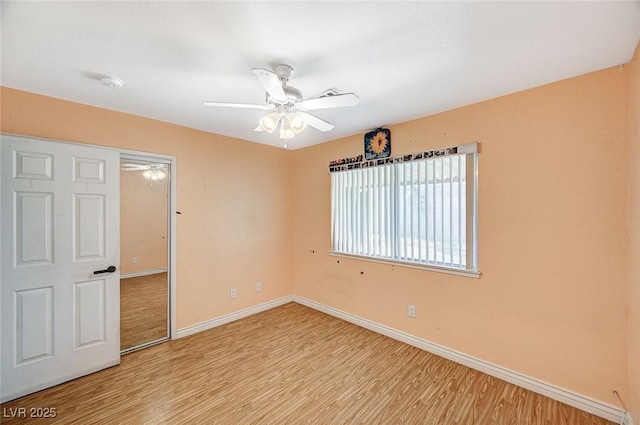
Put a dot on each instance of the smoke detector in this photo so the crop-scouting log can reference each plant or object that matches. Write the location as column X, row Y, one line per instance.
column 112, row 82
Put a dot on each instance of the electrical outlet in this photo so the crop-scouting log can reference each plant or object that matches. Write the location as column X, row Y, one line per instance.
column 134, row 260
column 233, row 293
column 412, row 311
column 258, row 286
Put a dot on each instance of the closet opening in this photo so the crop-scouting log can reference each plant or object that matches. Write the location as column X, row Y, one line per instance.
column 145, row 277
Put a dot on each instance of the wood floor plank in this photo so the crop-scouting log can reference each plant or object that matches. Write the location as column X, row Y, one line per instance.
column 293, row 365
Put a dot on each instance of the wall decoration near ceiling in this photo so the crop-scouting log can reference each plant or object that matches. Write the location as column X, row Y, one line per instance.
column 357, row 162
column 344, row 161
column 377, row 144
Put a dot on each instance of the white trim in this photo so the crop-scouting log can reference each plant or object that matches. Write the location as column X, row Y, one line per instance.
column 55, row 382
column 628, row 420
column 173, row 248
column 145, row 345
column 569, row 397
column 231, row 317
column 142, row 273
column 399, row 263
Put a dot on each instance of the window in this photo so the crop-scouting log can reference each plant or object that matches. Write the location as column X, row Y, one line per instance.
column 417, row 209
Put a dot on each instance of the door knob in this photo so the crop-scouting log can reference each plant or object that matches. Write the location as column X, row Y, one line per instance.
column 109, row 269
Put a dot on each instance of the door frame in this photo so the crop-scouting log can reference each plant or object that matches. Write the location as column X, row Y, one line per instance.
column 171, row 220
column 172, row 212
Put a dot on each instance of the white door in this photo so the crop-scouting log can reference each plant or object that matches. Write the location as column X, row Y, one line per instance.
column 59, row 224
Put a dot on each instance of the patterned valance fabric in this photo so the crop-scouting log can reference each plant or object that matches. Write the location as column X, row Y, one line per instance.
column 359, row 162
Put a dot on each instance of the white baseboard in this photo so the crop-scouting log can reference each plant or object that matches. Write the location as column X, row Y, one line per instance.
column 571, row 398
column 142, row 273
column 227, row 318
column 628, row 420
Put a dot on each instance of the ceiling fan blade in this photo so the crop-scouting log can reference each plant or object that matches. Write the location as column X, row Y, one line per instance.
column 271, row 83
column 315, row 122
column 236, row 105
column 134, row 167
column 329, row 101
column 258, row 128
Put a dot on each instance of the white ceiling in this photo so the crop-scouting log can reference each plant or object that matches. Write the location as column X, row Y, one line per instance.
column 403, row 59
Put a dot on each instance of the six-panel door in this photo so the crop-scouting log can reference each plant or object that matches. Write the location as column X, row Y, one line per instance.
column 59, row 224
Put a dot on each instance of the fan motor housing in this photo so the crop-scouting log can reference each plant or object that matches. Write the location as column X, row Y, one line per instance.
column 293, row 96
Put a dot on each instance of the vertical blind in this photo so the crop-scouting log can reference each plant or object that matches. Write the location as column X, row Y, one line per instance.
column 417, row 211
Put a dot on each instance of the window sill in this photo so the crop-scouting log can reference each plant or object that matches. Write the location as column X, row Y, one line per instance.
column 426, row 267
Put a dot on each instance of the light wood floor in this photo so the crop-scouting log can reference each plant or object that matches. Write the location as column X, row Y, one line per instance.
column 143, row 309
column 294, row 365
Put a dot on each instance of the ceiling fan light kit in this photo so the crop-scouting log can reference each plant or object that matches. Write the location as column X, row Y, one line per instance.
column 286, row 132
column 269, row 122
column 297, row 122
column 154, row 174
column 289, row 108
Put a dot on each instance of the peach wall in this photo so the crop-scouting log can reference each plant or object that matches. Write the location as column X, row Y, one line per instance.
column 551, row 302
column 234, row 197
column 634, row 237
column 143, row 222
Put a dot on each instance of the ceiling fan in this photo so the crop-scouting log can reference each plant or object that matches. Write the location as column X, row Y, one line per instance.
column 151, row 171
column 289, row 108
